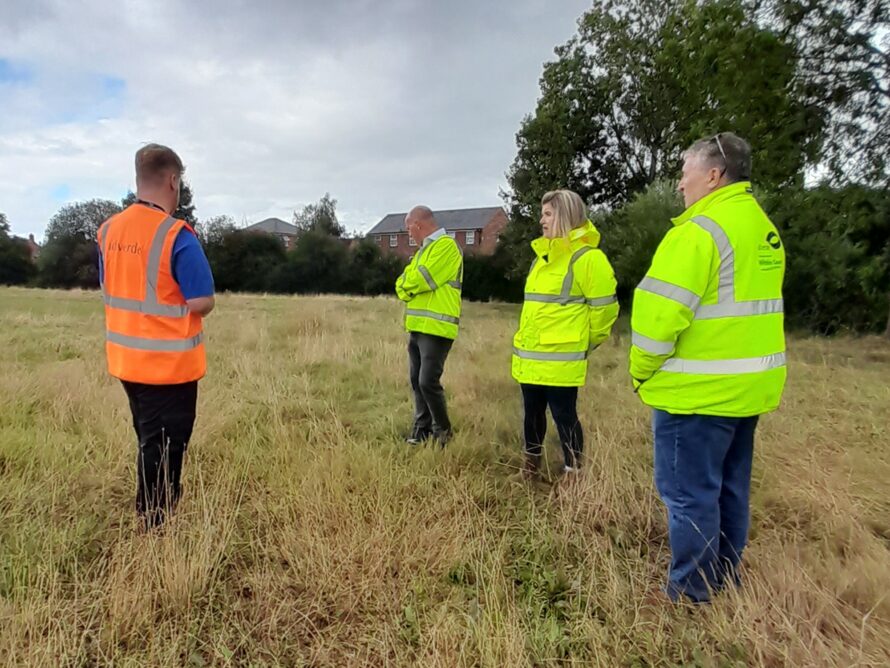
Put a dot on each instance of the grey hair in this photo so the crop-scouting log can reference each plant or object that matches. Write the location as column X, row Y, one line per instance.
column 737, row 150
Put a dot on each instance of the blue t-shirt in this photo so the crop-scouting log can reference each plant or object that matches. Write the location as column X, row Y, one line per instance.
column 191, row 270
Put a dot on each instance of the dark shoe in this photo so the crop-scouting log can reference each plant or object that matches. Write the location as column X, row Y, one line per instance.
column 441, row 438
column 532, row 466
column 418, row 436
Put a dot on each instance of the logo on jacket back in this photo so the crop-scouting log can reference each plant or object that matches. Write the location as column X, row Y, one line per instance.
column 119, row 247
column 768, row 258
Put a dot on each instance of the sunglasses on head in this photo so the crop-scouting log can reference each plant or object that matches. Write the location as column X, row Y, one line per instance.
column 716, row 139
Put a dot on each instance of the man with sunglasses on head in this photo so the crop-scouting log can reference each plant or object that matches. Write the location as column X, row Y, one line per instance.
column 708, row 355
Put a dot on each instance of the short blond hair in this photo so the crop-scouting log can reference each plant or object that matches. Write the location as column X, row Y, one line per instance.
column 155, row 161
column 569, row 209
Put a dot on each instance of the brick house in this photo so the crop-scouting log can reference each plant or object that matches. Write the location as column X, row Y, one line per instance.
column 277, row 227
column 476, row 231
column 33, row 248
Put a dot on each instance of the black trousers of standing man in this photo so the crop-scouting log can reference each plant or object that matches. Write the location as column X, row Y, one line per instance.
column 427, row 354
column 163, row 417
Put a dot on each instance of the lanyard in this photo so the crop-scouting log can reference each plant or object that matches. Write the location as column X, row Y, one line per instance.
column 151, row 205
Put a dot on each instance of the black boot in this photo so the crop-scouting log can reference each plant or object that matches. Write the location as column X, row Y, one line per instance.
column 532, row 466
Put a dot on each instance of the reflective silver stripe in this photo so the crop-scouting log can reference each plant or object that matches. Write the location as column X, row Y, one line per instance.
column 421, row 313
column 457, row 285
column 602, row 301
column 565, row 295
column 726, row 284
column 170, row 311
column 426, row 274
column 154, row 259
column 740, row 309
column 725, row 367
column 726, row 306
column 103, row 233
column 551, row 299
column 570, row 276
column 651, row 345
column 155, row 345
column 549, row 357
column 670, row 291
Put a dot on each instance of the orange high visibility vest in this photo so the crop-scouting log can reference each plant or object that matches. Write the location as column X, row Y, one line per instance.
column 151, row 337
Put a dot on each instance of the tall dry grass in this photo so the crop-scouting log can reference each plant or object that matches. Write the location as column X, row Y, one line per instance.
column 310, row 535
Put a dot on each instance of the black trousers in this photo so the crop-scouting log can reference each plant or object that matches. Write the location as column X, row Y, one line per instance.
column 562, row 402
column 163, row 417
column 426, row 356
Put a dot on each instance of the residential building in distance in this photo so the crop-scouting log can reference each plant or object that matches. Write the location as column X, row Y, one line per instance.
column 476, row 231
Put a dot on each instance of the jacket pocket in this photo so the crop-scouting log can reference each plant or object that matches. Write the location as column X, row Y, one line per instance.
column 553, row 338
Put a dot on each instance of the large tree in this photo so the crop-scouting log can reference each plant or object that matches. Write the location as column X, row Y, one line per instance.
column 637, row 84
column 213, row 231
column 69, row 257
column 844, row 67
column 320, row 217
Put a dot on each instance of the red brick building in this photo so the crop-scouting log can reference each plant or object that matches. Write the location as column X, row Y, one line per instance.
column 476, row 231
column 33, row 248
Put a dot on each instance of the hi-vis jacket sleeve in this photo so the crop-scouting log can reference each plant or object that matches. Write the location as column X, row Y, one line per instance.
column 665, row 301
column 439, row 264
column 598, row 287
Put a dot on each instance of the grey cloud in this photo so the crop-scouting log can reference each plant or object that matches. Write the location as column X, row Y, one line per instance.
column 272, row 104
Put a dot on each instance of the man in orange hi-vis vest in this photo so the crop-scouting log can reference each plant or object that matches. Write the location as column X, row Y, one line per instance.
column 157, row 287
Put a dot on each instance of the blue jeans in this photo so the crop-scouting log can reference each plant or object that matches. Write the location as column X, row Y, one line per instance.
column 703, row 474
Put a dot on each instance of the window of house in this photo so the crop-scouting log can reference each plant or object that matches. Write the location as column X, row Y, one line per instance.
column 453, row 235
column 411, row 241
column 393, row 240
column 470, row 237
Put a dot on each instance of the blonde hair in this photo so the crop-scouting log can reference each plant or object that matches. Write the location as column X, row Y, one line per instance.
column 568, row 208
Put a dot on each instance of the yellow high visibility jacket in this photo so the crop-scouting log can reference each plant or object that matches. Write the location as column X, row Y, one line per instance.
column 708, row 318
column 568, row 310
column 431, row 286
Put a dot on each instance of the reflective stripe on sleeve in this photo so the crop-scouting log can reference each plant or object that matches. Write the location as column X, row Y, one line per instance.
column 670, row 291
column 653, row 346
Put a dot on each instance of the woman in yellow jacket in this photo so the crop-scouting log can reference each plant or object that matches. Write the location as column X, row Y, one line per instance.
column 568, row 310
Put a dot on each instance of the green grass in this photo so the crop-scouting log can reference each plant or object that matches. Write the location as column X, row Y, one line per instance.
column 311, row 535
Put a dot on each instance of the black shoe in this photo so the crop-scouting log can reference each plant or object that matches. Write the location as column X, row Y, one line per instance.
column 418, row 436
column 532, row 467
column 441, row 438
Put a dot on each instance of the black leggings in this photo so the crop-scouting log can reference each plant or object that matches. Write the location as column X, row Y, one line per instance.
column 562, row 402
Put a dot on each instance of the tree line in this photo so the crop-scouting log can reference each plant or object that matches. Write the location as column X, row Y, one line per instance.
column 804, row 81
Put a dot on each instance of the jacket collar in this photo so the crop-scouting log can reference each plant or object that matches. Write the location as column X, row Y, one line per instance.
column 738, row 189
column 438, row 234
column 585, row 235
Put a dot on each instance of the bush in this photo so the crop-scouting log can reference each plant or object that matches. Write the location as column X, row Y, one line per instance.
column 838, row 246
column 371, row 272
column 631, row 234
column 316, row 264
column 16, row 267
column 245, row 261
column 487, row 278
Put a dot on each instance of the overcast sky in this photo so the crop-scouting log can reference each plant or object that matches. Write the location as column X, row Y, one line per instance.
column 270, row 103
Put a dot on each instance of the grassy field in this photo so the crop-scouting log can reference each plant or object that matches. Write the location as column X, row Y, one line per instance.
column 310, row 534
